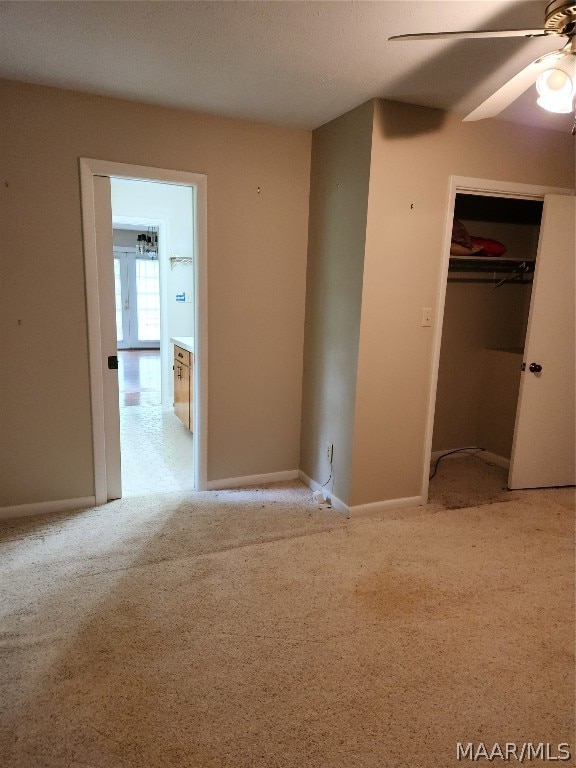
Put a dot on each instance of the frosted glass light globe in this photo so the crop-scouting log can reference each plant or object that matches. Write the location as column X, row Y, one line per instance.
column 556, row 90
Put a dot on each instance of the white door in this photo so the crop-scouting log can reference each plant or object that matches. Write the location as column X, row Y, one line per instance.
column 543, row 451
column 108, row 342
column 144, row 301
column 137, row 289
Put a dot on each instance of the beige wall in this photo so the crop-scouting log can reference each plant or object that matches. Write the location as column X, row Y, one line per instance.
column 338, row 203
column 256, row 275
column 414, row 152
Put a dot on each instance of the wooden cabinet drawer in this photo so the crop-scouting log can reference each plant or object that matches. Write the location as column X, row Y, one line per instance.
column 182, row 392
column 182, row 355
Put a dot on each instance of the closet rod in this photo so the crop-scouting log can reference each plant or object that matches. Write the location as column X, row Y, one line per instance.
column 487, row 280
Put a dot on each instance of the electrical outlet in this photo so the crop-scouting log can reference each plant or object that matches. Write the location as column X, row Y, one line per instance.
column 426, row 317
column 329, row 452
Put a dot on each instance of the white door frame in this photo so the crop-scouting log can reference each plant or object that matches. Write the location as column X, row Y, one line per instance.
column 89, row 169
column 471, row 186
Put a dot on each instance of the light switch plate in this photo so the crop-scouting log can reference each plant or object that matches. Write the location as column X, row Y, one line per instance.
column 426, row 317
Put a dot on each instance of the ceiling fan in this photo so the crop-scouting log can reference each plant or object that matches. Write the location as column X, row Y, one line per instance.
column 554, row 73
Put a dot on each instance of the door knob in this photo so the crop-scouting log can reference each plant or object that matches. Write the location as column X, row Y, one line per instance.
column 534, row 368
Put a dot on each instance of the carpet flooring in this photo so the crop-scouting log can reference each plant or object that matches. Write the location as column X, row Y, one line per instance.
column 244, row 629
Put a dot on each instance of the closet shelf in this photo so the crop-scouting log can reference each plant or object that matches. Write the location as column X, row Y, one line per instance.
column 490, row 264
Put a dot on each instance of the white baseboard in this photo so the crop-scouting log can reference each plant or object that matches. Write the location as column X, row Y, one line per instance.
column 491, row 458
column 360, row 510
column 363, row 509
column 240, row 482
column 335, row 502
column 46, row 507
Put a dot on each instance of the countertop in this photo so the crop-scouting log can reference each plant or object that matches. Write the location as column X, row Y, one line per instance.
column 186, row 342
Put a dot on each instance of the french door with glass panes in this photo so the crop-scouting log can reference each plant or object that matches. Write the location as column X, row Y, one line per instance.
column 137, row 285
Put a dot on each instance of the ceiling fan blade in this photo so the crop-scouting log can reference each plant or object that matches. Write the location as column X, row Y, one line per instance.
column 509, row 92
column 483, row 33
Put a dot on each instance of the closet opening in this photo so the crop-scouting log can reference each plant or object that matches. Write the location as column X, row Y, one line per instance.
column 493, row 255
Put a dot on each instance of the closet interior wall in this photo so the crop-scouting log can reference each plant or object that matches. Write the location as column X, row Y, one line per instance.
column 484, row 332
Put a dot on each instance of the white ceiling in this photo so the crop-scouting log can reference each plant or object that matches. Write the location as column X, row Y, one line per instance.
column 295, row 63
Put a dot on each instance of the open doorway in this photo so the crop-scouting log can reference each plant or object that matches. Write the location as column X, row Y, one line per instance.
column 132, row 379
column 153, row 235
column 503, row 370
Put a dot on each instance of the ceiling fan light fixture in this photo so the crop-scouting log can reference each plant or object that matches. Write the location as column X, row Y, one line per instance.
column 560, row 106
column 556, row 91
column 555, row 71
column 554, row 83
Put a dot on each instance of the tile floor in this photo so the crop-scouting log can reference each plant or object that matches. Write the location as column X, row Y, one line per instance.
column 156, row 447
